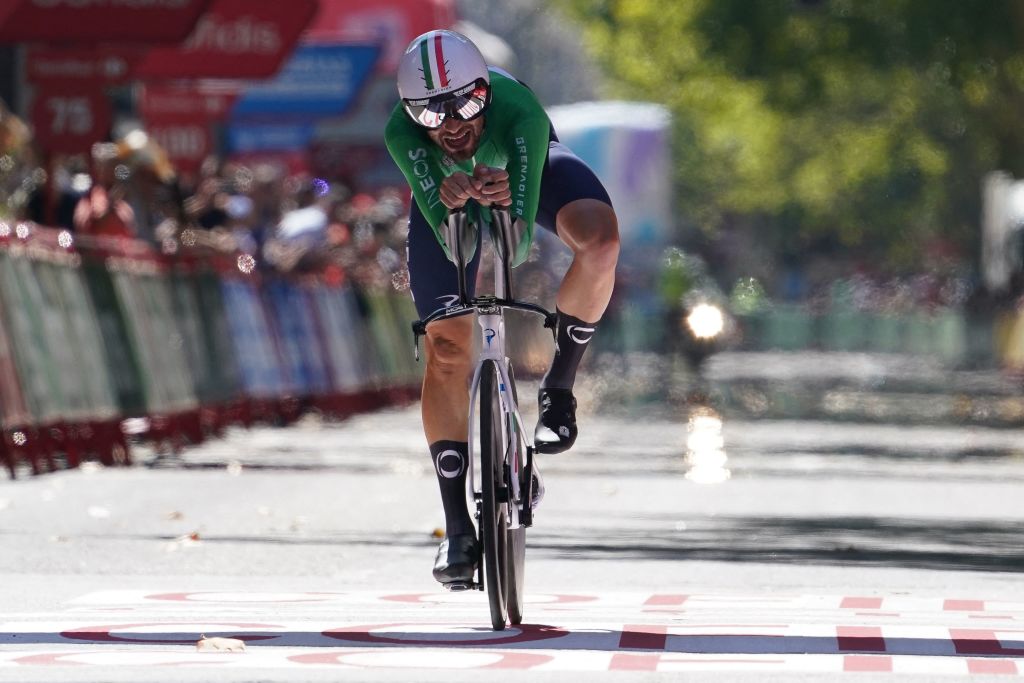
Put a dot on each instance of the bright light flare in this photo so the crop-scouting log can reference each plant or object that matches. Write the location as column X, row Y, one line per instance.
column 705, row 452
column 137, row 139
column 246, row 263
column 706, row 321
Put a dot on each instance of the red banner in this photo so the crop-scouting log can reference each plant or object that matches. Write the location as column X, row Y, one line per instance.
column 69, row 119
column 6, row 7
column 186, row 143
column 166, row 103
column 180, row 121
column 91, row 21
column 234, row 39
column 391, row 22
column 44, row 64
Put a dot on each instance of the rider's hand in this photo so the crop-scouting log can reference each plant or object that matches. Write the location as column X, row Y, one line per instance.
column 457, row 189
column 494, row 186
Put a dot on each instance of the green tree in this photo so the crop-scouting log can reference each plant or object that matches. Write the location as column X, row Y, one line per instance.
column 870, row 122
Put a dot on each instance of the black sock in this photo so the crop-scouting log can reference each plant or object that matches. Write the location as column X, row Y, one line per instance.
column 450, row 459
column 572, row 336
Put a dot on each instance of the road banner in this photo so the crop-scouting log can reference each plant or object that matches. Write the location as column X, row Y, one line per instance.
column 121, row 21
column 233, row 39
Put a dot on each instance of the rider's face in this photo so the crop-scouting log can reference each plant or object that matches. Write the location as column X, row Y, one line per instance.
column 458, row 138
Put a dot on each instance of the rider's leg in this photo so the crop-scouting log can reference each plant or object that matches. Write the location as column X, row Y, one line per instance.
column 445, row 407
column 575, row 204
column 445, row 399
column 445, row 404
column 590, row 229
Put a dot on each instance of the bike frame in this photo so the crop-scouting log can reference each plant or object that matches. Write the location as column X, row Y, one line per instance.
column 492, row 347
column 461, row 238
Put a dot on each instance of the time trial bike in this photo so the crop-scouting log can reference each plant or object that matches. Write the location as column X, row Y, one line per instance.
column 502, row 476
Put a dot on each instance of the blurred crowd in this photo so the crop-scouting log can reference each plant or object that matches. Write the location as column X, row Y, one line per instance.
column 895, row 295
column 273, row 219
column 297, row 223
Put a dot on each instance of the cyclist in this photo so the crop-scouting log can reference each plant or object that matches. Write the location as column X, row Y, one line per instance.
column 463, row 131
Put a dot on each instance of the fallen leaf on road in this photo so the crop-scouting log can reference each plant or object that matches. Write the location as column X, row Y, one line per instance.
column 183, row 541
column 220, row 645
column 175, row 515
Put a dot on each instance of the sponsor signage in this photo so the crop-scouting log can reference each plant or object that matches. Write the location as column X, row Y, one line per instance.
column 392, row 23
column 250, row 138
column 180, row 120
column 90, row 21
column 45, row 64
column 69, row 119
column 165, row 103
column 319, row 80
column 233, row 39
column 186, row 143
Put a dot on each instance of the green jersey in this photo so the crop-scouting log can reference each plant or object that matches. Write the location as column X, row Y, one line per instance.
column 515, row 137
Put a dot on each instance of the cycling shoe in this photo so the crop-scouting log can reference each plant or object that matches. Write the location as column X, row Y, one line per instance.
column 457, row 558
column 556, row 429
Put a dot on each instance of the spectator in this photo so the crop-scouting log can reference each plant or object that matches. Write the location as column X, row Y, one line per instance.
column 150, row 183
column 302, row 235
column 207, row 208
column 103, row 210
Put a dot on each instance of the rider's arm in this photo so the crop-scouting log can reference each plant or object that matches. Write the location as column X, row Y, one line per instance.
column 527, row 144
column 412, row 152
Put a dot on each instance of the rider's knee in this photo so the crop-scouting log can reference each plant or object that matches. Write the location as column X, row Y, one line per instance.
column 591, row 230
column 449, row 345
column 603, row 252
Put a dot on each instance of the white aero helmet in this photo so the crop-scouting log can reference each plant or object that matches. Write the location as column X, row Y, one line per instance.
column 442, row 73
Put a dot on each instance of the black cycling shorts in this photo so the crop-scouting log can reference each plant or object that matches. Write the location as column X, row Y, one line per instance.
column 434, row 280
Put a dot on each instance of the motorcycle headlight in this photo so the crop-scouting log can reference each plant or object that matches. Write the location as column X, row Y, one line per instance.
column 706, row 321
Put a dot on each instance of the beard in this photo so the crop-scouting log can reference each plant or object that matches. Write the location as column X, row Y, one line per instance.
column 459, row 144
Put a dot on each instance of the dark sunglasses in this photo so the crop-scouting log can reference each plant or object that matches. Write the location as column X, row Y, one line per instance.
column 464, row 104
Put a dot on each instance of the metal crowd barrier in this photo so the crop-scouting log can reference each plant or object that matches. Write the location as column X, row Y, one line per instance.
column 105, row 343
column 947, row 335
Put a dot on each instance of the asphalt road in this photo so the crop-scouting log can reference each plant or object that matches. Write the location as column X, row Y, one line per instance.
column 671, row 543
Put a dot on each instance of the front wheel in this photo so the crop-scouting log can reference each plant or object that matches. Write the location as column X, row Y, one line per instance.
column 494, row 517
column 516, row 566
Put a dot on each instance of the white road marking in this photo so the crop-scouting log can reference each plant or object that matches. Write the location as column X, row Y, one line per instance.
column 663, row 632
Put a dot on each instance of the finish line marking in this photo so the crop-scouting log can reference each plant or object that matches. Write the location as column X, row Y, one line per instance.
column 661, row 632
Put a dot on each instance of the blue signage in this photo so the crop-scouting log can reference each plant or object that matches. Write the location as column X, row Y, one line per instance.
column 244, row 138
column 319, row 80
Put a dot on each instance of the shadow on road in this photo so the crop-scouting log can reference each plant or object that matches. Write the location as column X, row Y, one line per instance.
column 850, row 541
column 629, row 640
column 946, row 545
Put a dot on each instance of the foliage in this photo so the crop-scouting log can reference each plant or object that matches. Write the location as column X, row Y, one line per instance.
column 864, row 122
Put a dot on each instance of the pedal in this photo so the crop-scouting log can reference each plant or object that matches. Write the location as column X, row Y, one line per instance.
column 459, row 586
column 526, row 511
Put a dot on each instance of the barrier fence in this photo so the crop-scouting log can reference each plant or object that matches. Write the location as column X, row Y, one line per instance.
column 950, row 336
column 106, row 341
column 956, row 338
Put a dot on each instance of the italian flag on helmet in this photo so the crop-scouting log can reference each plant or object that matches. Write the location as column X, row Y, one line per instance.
column 437, row 63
